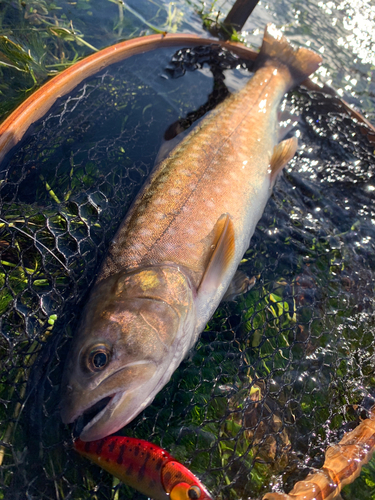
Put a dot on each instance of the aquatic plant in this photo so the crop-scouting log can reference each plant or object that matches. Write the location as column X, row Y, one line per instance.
column 39, row 38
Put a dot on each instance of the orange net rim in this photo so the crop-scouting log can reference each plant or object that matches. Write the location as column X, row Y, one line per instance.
column 36, row 105
column 13, row 129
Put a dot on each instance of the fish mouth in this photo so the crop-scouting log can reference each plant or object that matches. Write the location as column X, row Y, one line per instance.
column 91, row 415
column 115, row 408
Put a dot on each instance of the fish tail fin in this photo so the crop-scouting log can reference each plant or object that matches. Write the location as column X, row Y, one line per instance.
column 300, row 62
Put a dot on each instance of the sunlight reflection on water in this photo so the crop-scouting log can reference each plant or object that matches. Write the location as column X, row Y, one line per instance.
column 360, row 20
column 343, row 31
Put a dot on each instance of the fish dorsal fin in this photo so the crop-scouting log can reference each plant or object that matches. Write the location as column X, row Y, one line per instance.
column 223, row 245
column 282, row 153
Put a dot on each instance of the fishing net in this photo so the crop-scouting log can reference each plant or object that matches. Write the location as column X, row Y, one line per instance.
column 277, row 376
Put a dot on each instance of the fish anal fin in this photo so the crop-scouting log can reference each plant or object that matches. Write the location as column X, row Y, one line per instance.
column 282, row 153
column 223, row 251
column 239, row 285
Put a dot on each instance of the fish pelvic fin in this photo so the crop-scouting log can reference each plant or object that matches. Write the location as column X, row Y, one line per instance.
column 222, row 255
column 282, row 153
column 300, row 62
column 239, row 285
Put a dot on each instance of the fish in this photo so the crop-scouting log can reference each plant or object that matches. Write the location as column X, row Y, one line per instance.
column 176, row 253
column 144, row 466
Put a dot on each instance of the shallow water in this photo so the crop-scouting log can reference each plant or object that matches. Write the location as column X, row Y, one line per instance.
column 298, row 349
column 343, row 31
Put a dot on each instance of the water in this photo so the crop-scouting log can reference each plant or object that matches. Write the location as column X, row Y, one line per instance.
column 343, row 31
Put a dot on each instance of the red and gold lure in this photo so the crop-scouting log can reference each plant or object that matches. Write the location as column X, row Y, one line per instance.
column 144, row 466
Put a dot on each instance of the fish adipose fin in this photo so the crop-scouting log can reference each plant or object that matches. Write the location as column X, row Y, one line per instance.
column 222, row 255
column 282, row 153
column 300, row 62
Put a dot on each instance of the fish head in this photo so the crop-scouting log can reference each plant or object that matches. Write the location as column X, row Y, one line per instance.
column 181, row 484
column 135, row 330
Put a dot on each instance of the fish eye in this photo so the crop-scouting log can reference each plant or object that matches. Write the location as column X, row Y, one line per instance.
column 98, row 358
column 194, row 492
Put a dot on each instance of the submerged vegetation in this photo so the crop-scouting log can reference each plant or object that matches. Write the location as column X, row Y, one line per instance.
column 39, row 38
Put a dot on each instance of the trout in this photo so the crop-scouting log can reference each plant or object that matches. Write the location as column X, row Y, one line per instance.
column 177, row 251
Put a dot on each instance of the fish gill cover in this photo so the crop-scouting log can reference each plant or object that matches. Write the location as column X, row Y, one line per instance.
column 276, row 377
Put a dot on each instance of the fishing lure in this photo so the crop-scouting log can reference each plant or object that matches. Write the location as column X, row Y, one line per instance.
column 144, row 466
column 342, row 465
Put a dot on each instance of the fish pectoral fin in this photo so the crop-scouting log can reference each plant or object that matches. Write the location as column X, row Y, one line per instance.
column 223, row 250
column 240, row 284
column 282, row 153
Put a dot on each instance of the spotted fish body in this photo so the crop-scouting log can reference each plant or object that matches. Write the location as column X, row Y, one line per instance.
column 144, row 466
column 178, row 249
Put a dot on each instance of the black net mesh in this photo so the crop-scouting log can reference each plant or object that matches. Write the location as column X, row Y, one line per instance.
column 276, row 376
